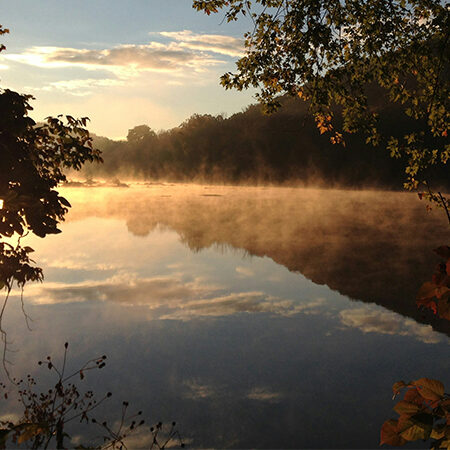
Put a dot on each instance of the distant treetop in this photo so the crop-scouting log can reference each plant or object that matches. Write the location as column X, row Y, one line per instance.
column 331, row 52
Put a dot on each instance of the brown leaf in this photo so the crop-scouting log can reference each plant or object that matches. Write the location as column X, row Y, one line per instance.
column 428, row 303
column 407, row 408
column 427, row 290
column 389, row 434
column 412, row 396
column 444, row 308
column 430, row 389
column 397, row 386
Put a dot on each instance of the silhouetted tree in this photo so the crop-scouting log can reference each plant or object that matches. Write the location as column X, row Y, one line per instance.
column 34, row 157
column 140, row 133
column 253, row 147
column 332, row 53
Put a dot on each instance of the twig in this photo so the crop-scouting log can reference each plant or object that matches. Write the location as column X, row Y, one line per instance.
column 28, row 319
column 444, row 204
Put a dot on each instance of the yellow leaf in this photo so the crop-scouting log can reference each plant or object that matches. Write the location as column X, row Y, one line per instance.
column 437, row 434
column 413, row 432
column 29, row 432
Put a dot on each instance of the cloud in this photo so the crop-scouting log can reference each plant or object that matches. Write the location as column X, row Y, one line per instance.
column 83, row 87
column 171, row 59
column 370, row 320
column 186, row 55
column 224, row 45
column 123, row 60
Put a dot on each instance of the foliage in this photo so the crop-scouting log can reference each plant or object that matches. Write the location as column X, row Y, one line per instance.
column 46, row 415
column 424, row 414
column 425, row 409
column 252, row 147
column 435, row 294
column 34, row 157
column 332, row 52
column 140, row 133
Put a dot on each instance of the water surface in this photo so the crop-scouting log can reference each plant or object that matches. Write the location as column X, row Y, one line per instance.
column 254, row 317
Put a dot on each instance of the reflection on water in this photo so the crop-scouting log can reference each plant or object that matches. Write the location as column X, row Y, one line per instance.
column 228, row 310
column 370, row 246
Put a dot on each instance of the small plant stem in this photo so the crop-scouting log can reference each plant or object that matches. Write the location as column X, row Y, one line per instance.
column 59, row 435
column 444, row 204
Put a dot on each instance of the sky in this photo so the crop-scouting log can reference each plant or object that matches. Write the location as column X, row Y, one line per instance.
column 121, row 64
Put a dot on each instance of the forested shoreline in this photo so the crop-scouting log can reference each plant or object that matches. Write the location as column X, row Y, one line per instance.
column 253, row 147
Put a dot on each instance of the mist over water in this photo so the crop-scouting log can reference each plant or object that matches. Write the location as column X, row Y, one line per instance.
column 254, row 317
column 372, row 246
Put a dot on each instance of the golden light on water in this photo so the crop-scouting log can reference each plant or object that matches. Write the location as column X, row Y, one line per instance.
column 1, row 204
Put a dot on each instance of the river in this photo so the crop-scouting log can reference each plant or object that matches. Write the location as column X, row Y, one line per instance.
column 255, row 317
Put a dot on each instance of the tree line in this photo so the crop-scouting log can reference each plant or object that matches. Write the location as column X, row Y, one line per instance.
column 253, row 147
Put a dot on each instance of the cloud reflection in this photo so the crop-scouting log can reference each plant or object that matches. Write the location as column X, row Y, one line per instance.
column 264, row 394
column 171, row 297
column 196, row 390
column 370, row 320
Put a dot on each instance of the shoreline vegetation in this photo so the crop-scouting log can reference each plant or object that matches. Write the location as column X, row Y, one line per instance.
column 79, row 182
column 254, row 148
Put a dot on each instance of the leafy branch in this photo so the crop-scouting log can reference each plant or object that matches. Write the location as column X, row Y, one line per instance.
column 435, row 294
column 424, row 414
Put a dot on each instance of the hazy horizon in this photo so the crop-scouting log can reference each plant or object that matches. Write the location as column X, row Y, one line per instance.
column 155, row 62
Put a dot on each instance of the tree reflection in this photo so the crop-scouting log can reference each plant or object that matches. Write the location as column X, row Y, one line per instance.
column 425, row 409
